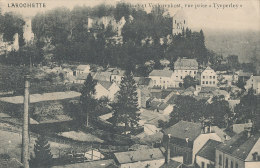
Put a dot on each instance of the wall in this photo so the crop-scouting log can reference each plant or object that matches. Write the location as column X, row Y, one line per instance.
column 200, row 159
column 256, row 148
column 100, row 91
column 240, row 163
column 252, row 164
column 201, row 140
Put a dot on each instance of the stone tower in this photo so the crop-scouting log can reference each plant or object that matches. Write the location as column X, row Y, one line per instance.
column 179, row 22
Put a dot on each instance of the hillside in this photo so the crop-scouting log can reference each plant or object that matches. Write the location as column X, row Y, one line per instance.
column 243, row 44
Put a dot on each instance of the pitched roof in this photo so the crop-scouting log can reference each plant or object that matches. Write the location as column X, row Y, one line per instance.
column 142, row 80
column 171, row 164
column 34, row 98
column 105, row 84
column 140, row 155
column 240, row 145
column 186, row 64
column 208, row 68
column 208, row 150
column 118, row 72
column 94, row 164
column 161, row 73
column 103, row 76
column 184, row 129
column 82, row 67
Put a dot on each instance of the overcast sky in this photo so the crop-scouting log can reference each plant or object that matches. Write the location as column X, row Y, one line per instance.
column 246, row 17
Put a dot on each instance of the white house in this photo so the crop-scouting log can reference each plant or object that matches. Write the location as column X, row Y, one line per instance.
column 254, row 83
column 162, row 78
column 81, row 69
column 209, row 78
column 187, row 138
column 106, row 89
column 205, row 158
column 117, row 76
column 184, row 67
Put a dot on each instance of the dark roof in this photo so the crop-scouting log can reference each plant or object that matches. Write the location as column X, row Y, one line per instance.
column 105, row 84
column 171, row 164
column 184, row 129
column 142, row 80
column 93, row 164
column 161, row 73
column 140, row 155
column 186, row 64
column 160, row 94
column 208, row 150
column 240, row 145
column 35, row 98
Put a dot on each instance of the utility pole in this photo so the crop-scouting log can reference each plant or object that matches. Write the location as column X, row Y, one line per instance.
column 25, row 136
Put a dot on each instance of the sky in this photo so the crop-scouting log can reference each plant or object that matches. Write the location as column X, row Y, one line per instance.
column 245, row 17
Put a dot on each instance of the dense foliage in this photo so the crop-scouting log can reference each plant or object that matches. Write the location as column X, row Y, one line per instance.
column 42, row 154
column 87, row 101
column 187, row 108
column 67, row 34
column 126, row 108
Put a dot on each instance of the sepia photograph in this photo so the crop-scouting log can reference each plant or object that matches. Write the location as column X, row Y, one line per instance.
column 129, row 84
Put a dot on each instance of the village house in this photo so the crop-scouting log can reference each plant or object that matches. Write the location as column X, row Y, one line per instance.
column 187, row 138
column 205, row 158
column 241, row 151
column 209, row 78
column 152, row 158
column 254, row 83
column 103, row 76
column 184, row 67
column 117, row 76
column 81, row 69
column 162, row 78
column 106, row 89
column 244, row 76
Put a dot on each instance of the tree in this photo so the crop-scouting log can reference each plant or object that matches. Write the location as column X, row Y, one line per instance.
column 42, row 154
column 187, row 108
column 87, row 101
column 126, row 108
column 247, row 108
column 189, row 81
column 218, row 112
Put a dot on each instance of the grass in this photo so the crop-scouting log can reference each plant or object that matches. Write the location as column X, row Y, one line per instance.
column 11, row 144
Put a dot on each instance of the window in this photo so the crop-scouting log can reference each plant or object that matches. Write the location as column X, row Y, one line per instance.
column 175, row 21
column 194, row 72
column 202, row 165
column 203, row 82
column 184, row 21
column 236, row 165
column 185, row 71
column 220, row 160
column 154, row 81
column 226, row 165
column 214, row 82
column 231, row 164
column 181, row 77
column 213, row 77
column 207, row 82
column 210, row 77
column 203, row 77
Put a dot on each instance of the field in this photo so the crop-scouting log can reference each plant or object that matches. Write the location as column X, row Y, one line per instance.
column 10, row 143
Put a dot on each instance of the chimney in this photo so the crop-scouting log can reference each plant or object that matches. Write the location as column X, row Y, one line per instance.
column 168, row 150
